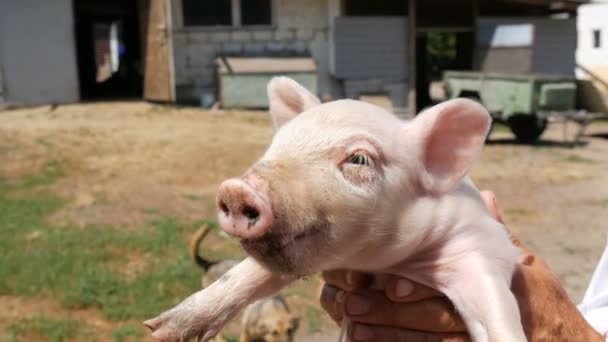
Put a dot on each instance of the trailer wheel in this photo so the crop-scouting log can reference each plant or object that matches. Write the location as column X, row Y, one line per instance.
column 474, row 96
column 527, row 127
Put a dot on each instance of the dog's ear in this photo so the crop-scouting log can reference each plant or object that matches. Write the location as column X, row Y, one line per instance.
column 294, row 323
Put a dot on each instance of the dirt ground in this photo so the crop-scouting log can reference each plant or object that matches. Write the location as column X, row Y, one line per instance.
column 130, row 159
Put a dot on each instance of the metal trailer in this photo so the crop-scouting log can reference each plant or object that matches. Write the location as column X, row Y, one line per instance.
column 243, row 80
column 524, row 102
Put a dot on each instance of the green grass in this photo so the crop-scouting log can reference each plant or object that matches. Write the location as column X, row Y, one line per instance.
column 231, row 338
column 600, row 202
column 314, row 319
column 55, row 330
column 122, row 333
column 499, row 127
column 573, row 158
column 51, row 171
column 517, row 212
column 87, row 267
column 126, row 274
column 193, row 197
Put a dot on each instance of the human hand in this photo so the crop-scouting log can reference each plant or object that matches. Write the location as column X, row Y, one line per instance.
column 406, row 311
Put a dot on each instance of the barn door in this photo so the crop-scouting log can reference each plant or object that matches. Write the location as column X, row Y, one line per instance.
column 158, row 82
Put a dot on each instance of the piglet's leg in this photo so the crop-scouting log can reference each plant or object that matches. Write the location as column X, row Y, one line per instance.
column 204, row 313
column 482, row 295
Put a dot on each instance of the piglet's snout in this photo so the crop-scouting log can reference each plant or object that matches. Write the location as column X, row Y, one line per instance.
column 243, row 211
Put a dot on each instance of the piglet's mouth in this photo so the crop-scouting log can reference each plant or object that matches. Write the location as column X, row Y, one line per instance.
column 278, row 241
column 283, row 253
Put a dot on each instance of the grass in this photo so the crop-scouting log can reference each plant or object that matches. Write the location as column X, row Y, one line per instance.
column 51, row 171
column 126, row 275
column 600, row 202
column 80, row 267
column 573, row 158
column 517, row 212
column 315, row 319
column 127, row 332
column 499, row 127
column 88, row 267
column 193, row 197
column 48, row 329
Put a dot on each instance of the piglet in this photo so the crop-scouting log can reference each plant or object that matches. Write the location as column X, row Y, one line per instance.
column 347, row 185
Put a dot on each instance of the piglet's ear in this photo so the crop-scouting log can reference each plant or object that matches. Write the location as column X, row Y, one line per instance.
column 287, row 99
column 451, row 136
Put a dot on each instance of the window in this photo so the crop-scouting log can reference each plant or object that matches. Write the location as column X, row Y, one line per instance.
column 505, row 35
column 597, row 39
column 375, row 8
column 227, row 12
column 207, row 12
column 255, row 12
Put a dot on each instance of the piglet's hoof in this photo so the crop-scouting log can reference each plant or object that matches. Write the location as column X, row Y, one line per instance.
column 171, row 328
column 161, row 332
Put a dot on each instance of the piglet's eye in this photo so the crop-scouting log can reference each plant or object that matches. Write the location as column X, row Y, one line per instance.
column 359, row 159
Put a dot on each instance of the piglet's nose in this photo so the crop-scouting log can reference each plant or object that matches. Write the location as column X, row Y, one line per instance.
column 243, row 211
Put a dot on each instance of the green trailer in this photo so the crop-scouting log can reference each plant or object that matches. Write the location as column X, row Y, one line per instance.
column 243, row 80
column 523, row 102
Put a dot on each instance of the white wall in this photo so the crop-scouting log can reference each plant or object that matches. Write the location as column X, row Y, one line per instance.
column 592, row 17
column 37, row 51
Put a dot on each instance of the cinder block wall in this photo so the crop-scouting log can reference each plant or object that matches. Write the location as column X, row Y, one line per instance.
column 299, row 27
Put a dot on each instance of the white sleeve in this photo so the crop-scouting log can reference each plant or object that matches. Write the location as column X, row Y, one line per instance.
column 595, row 303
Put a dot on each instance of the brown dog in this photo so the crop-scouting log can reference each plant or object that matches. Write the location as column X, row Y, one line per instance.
column 269, row 320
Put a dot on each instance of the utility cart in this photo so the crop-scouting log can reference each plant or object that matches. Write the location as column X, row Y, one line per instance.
column 524, row 102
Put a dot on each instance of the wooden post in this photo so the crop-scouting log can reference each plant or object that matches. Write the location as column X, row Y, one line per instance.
column 159, row 84
column 411, row 57
column 475, row 9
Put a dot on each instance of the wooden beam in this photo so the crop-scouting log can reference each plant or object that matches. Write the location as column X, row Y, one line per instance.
column 549, row 3
column 411, row 57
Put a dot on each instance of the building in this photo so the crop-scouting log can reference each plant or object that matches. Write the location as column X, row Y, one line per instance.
column 592, row 55
column 164, row 50
column 592, row 50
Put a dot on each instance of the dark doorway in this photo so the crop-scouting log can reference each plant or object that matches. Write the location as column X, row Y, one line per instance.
column 108, row 49
column 438, row 51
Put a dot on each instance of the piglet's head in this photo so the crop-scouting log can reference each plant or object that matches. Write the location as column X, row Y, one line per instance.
column 338, row 176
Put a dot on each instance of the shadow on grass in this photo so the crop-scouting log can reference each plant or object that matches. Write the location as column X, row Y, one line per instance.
column 539, row 143
column 598, row 135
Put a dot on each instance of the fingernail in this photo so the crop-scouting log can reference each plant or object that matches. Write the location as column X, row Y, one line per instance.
column 329, row 293
column 349, row 277
column 526, row 259
column 404, row 288
column 357, row 305
column 362, row 333
column 340, row 297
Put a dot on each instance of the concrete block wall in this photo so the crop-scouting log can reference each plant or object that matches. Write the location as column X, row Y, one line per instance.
column 299, row 28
